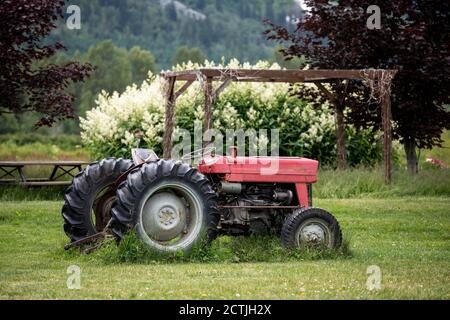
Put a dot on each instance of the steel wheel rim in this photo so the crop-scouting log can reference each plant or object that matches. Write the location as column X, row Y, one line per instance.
column 313, row 233
column 101, row 208
column 170, row 225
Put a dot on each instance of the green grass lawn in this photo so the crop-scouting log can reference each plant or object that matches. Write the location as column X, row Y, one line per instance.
column 408, row 238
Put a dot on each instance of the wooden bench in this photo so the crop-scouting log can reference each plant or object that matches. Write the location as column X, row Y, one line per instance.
column 12, row 172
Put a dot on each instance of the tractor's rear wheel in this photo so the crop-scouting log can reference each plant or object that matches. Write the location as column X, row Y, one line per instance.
column 88, row 201
column 171, row 205
column 311, row 227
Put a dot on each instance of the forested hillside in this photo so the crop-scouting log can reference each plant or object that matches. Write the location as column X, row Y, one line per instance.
column 229, row 28
column 124, row 39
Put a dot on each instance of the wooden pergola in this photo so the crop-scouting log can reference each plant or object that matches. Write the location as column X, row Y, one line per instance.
column 378, row 79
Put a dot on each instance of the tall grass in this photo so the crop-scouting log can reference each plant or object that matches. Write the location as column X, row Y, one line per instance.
column 19, row 193
column 222, row 250
column 363, row 182
column 13, row 151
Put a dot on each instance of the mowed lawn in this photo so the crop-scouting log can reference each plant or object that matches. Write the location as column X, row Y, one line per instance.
column 407, row 238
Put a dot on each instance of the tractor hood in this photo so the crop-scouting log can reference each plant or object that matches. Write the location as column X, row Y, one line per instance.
column 261, row 169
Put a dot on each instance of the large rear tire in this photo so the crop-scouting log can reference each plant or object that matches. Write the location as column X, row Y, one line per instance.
column 170, row 204
column 88, row 201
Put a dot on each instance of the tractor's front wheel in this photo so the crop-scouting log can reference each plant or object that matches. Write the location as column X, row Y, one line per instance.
column 311, row 227
column 171, row 205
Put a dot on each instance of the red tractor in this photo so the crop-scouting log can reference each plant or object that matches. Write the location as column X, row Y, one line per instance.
column 173, row 205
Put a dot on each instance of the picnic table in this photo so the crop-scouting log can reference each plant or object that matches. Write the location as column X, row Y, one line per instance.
column 12, row 172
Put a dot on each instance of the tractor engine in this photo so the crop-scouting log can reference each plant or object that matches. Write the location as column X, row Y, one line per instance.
column 247, row 208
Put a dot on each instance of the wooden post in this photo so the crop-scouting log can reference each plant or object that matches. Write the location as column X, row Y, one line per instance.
column 208, row 108
column 169, row 121
column 387, row 135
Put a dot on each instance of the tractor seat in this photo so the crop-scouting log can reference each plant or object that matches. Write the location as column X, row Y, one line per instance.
column 141, row 156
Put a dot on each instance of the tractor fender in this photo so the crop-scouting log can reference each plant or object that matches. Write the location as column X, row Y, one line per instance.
column 124, row 175
column 140, row 157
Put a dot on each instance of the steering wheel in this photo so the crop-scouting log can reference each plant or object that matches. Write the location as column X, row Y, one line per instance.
column 198, row 154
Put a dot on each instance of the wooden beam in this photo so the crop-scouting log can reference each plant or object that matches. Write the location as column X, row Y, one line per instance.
column 221, row 88
column 326, row 92
column 169, row 121
column 183, row 88
column 264, row 75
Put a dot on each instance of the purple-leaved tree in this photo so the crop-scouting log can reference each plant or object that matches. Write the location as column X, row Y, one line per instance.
column 26, row 85
column 414, row 39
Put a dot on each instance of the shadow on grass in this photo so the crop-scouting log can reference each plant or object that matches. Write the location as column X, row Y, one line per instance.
column 222, row 250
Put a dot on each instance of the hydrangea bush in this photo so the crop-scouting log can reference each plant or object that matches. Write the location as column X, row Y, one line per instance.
column 134, row 118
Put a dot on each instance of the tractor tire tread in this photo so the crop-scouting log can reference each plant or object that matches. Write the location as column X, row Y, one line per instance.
column 79, row 196
column 130, row 191
column 294, row 220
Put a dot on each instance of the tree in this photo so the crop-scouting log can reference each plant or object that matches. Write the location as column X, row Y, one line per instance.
column 142, row 61
column 184, row 54
column 278, row 57
column 25, row 87
column 115, row 69
column 414, row 39
column 112, row 72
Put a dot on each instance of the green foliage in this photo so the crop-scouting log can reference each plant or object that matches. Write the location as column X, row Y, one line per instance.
column 231, row 28
column 115, row 69
column 294, row 63
column 185, row 55
column 25, row 123
column 362, row 148
column 142, row 61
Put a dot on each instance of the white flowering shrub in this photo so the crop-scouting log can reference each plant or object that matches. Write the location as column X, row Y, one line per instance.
column 120, row 122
